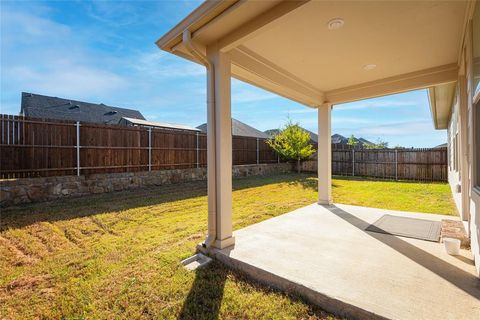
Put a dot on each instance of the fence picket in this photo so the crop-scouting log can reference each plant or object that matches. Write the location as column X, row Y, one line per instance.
column 33, row 147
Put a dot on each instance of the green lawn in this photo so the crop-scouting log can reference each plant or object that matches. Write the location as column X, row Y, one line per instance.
column 404, row 196
column 116, row 256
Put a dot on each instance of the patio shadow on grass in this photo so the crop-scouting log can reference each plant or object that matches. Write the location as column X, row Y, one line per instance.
column 71, row 208
column 205, row 296
column 459, row 278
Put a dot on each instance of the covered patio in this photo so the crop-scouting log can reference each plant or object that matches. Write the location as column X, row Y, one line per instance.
column 320, row 54
column 324, row 254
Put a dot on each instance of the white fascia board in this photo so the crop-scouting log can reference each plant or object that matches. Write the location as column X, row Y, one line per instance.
column 402, row 83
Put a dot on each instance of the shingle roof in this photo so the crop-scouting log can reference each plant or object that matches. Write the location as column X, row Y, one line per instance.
column 339, row 139
column 272, row 132
column 364, row 141
column 166, row 125
column 336, row 138
column 39, row 106
column 240, row 129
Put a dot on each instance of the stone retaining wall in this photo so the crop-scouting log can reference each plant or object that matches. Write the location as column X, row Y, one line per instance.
column 17, row 191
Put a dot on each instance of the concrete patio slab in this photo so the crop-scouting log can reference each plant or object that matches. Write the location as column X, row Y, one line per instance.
column 324, row 254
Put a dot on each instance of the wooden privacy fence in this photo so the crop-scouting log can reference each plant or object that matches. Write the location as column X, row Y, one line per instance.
column 35, row 147
column 400, row 164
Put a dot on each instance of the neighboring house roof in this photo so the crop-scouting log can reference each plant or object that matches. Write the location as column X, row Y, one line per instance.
column 240, row 129
column 272, row 132
column 313, row 136
column 364, row 141
column 443, row 145
column 40, row 106
column 339, row 139
column 165, row 125
column 336, row 138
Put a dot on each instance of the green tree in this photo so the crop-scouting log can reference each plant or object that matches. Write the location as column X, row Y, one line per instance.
column 352, row 141
column 379, row 144
column 292, row 143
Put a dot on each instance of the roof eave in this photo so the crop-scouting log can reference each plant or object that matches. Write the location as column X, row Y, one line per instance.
column 441, row 99
column 201, row 16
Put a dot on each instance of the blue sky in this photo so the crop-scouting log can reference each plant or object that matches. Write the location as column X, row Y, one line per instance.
column 105, row 52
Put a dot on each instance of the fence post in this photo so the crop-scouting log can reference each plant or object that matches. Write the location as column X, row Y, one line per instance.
column 8, row 129
column 13, row 129
column 258, row 151
column 78, row 147
column 198, row 151
column 396, row 164
column 149, row 149
column 353, row 162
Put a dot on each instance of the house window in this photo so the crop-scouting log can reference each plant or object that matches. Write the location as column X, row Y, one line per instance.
column 449, row 152
column 455, row 152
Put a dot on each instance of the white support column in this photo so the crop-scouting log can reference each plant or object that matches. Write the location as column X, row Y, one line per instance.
column 220, row 150
column 464, row 165
column 324, row 154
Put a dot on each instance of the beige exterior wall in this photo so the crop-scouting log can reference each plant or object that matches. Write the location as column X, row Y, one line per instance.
column 473, row 143
column 454, row 156
column 464, row 144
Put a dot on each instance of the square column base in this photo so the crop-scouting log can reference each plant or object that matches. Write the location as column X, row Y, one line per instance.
column 221, row 244
column 216, row 246
column 324, row 202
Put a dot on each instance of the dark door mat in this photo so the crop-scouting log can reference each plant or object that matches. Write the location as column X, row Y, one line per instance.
column 407, row 227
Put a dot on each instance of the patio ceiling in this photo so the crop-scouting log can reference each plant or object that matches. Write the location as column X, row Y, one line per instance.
column 287, row 47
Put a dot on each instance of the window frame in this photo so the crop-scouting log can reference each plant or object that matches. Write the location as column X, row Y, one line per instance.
column 476, row 143
column 475, row 96
column 475, row 40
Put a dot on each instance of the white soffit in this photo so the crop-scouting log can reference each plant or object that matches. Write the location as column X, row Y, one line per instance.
column 399, row 37
column 287, row 47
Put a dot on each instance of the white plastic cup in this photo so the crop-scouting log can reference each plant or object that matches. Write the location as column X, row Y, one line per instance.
column 452, row 246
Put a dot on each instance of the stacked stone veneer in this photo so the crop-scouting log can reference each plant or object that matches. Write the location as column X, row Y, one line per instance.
column 26, row 190
column 455, row 229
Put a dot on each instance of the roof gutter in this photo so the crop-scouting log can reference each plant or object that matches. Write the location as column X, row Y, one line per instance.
column 212, row 183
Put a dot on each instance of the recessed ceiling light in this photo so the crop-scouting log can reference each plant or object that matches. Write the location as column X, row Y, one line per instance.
column 335, row 24
column 369, row 67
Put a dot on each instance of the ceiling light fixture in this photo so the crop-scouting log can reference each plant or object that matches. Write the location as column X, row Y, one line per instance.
column 335, row 24
column 369, row 67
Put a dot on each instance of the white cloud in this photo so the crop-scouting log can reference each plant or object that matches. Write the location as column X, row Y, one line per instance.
column 245, row 93
column 114, row 13
column 339, row 120
column 162, row 64
column 391, row 102
column 40, row 61
column 302, row 110
column 30, row 29
column 406, row 128
column 66, row 79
